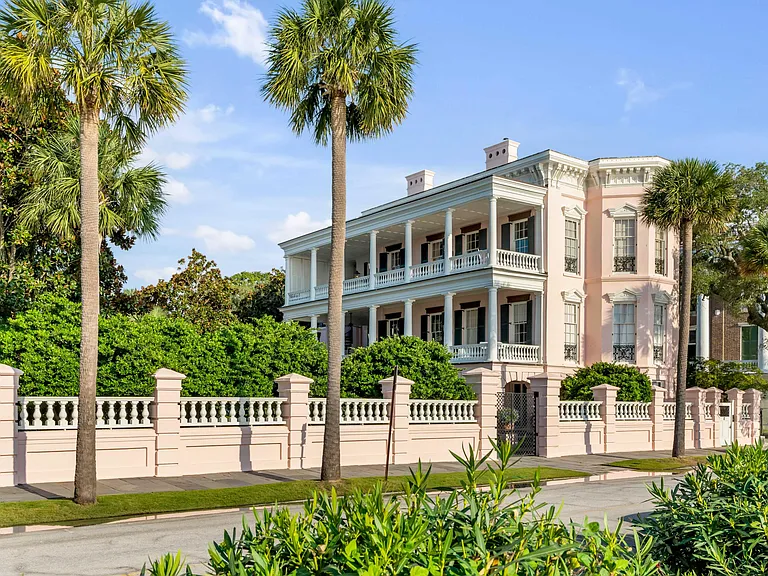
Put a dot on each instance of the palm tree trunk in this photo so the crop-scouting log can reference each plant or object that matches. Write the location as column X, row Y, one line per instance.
column 686, row 277
column 331, row 467
column 90, row 242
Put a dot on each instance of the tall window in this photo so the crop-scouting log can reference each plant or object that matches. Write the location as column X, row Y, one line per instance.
column 393, row 327
column 749, row 344
column 520, row 326
column 659, row 325
column 472, row 241
column 624, row 241
column 435, row 327
column 520, row 236
column 661, row 252
column 395, row 260
column 624, row 333
column 571, row 349
column 470, row 326
column 436, row 250
column 572, row 246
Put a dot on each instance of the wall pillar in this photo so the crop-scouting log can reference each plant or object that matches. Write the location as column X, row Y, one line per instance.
column 753, row 398
column 547, row 387
column 487, row 385
column 538, row 231
column 606, row 394
column 448, row 244
column 696, row 396
column 312, row 273
column 493, row 225
column 408, row 317
column 295, row 389
column 372, row 324
column 373, row 262
column 713, row 396
column 167, row 422
column 448, row 319
column 702, row 327
column 401, row 436
column 287, row 278
column 493, row 324
column 408, row 249
column 762, row 350
column 538, row 336
column 313, row 322
column 736, row 397
column 9, row 387
column 657, row 416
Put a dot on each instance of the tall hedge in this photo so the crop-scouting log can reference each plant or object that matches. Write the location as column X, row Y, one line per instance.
column 634, row 386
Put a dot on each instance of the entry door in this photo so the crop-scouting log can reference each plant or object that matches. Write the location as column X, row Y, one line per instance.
column 726, row 423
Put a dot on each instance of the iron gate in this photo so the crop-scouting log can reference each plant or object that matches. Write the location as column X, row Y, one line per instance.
column 516, row 420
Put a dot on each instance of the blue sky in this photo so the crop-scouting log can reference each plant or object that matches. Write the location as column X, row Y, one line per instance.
column 586, row 78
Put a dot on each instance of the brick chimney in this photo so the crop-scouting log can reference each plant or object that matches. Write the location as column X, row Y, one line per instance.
column 419, row 182
column 502, row 153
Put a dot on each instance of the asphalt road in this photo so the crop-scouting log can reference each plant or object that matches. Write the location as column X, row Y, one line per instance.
column 122, row 547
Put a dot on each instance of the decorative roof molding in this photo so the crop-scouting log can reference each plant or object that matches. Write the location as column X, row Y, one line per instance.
column 662, row 297
column 575, row 296
column 630, row 171
column 626, row 211
column 626, row 295
column 574, row 212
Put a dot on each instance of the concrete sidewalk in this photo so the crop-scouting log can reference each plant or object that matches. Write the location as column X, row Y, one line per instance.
column 594, row 464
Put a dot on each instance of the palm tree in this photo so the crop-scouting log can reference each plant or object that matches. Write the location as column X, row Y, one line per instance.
column 337, row 68
column 685, row 195
column 119, row 63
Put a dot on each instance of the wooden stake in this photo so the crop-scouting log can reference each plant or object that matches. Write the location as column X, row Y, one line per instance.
column 391, row 423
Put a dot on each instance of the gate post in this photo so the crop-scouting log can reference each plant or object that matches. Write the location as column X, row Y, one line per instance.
column 695, row 396
column 401, row 404
column 713, row 397
column 168, row 423
column 657, row 417
column 736, row 398
column 547, row 386
column 753, row 398
column 487, row 385
column 606, row 393
column 9, row 386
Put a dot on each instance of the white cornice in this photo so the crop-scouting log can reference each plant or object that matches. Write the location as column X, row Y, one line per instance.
column 626, row 295
column 575, row 296
column 629, row 171
column 662, row 297
column 625, row 211
column 574, row 212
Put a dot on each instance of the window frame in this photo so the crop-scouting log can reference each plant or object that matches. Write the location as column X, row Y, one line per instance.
column 472, row 238
column 431, row 329
column 660, row 254
column 514, row 240
column 467, row 314
column 576, row 244
column 625, row 244
column 659, row 332
column 518, row 329
column 571, row 337
column 393, row 322
column 431, row 251
column 756, row 343
column 622, row 335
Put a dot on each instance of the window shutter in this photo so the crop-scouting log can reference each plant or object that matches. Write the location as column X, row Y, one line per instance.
column 458, row 245
column 532, row 248
column 383, row 262
column 424, row 327
column 457, row 328
column 382, row 327
column 481, row 325
column 400, row 327
column 506, row 236
column 402, row 257
column 366, row 269
column 425, row 253
column 505, row 323
column 483, row 239
column 529, row 322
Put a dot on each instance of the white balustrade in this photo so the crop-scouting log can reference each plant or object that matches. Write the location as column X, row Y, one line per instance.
column 321, row 291
column 442, row 411
column 572, row 410
column 353, row 411
column 390, row 277
column 633, row 411
column 316, row 410
column 708, row 410
column 359, row 284
column 669, row 410
column 297, row 297
column 428, row 270
column 470, row 352
column 518, row 353
column 518, row 260
column 60, row 413
column 689, row 411
column 470, row 261
column 746, row 413
column 231, row 411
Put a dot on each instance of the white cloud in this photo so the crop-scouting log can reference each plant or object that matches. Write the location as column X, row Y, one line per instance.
column 177, row 192
column 216, row 240
column 296, row 225
column 237, row 25
column 178, row 160
column 152, row 275
column 638, row 93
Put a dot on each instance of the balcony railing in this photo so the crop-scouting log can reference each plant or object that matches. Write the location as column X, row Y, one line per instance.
column 321, row 292
column 624, row 353
column 428, row 270
column 518, row 260
column 571, row 265
column 571, row 353
column 523, row 353
column 658, row 354
column 624, row 264
column 661, row 266
column 353, row 285
column 390, row 277
column 470, row 352
column 298, row 297
column 471, row 261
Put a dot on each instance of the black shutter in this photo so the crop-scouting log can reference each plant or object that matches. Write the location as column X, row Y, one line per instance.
column 424, row 327
column 529, row 322
column 382, row 327
column 425, row 253
column 458, row 249
column 400, row 327
column 481, row 325
column 402, row 257
column 483, row 239
column 383, row 262
column 457, row 329
column 532, row 235
column 506, row 236
column 366, row 269
column 505, row 323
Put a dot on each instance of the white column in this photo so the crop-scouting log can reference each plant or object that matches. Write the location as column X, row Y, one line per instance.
column 493, row 323
column 372, row 324
column 762, row 350
column 492, row 227
column 343, row 333
column 313, row 323
column 538, row 324
column 448, row 319
column 408, row 249
column 372, row 259
column 702, row 327
column 408, row 317
column 287, row 277
column 539, row 234
column 448, row 248
column 312, row 273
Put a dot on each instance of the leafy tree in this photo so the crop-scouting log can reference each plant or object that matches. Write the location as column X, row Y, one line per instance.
column 119, row 62
column 684, row 195
column 197, row 292
column 337, row 68
column 724, row 375
column 634, row 386
column 258, row 294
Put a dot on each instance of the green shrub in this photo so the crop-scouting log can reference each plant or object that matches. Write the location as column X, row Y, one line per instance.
column 634, row 386
column 428, row 364
column 724, row 375
column 715, row 521
column 469, row 532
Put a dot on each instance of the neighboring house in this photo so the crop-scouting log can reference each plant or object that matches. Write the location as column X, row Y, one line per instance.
column 535, row 264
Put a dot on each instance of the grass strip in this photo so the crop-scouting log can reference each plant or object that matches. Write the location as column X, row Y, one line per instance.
column 127, row 505
column 660, row 464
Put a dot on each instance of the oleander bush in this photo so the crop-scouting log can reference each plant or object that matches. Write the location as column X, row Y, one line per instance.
column 634, row 386
column 715, row 521
column 468, row 532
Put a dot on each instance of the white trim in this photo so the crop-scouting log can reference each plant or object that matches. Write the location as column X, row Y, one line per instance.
column 574, row 296
column 625, row 296
column 574, row 212
column 626, row 211
column 662, row 297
